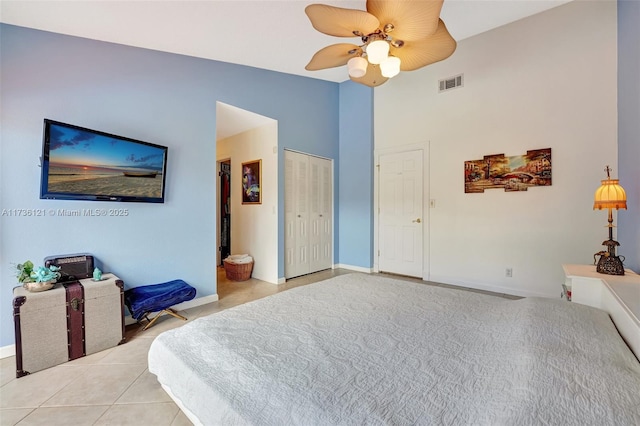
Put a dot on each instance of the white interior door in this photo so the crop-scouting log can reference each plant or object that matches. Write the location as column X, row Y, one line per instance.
column 400, row 217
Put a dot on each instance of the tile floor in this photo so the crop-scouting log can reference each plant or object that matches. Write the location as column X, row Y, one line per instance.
column 114, row 387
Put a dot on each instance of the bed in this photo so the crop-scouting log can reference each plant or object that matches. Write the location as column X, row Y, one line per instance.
column 372, row 350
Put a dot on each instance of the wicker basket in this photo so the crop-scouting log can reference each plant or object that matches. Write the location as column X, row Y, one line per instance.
column 238, row 271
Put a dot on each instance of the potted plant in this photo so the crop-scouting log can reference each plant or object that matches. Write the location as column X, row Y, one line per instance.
column 37, row 279
column 24, row 271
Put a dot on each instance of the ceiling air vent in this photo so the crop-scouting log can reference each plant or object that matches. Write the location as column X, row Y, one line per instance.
column 451, row 83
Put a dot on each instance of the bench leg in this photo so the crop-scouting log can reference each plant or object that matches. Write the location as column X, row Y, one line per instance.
column 169, row 311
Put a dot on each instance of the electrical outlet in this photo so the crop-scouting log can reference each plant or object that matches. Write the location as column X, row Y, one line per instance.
column 508, row 272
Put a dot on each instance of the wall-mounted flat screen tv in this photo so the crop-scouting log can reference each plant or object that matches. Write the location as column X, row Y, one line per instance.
column 85, row 164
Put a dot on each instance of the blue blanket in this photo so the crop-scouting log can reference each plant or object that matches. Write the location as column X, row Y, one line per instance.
column 156, row 297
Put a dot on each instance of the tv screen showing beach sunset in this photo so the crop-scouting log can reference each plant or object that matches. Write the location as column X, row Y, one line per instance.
column 89, row 163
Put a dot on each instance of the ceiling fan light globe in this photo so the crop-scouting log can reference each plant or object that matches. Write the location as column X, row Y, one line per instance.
column 377, row 51
column 357, row 66
column 390, row 67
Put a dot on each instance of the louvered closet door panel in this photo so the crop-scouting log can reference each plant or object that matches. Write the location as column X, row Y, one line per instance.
column 301, row 176
column 289, row 215
column 314, row 214
column 322, row 213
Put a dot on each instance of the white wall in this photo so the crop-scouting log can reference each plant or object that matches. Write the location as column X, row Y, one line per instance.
column 545, row 81
column 254, row 227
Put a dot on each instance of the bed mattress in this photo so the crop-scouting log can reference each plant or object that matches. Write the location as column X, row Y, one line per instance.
column 361, row 349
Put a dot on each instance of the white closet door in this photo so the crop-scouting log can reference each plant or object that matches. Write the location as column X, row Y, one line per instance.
column 321, row 212
column 301, row 203
column 296, row 205
column 314, row 214
column 308, row 214
column 289, row 215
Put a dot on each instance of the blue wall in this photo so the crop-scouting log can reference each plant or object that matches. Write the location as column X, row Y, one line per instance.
column 629, row 129
column 355, row 216
column 153, row 96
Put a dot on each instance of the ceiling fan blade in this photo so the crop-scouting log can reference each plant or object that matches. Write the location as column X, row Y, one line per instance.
column 372, row 78
column 412, row 20
column 335, row 55
column 340, row 22
column 417, row 54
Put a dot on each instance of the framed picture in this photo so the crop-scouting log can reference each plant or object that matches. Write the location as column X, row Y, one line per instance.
column 517, row 173
column 251, row 182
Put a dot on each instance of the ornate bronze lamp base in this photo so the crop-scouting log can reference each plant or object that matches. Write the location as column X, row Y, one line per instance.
column 609, row 263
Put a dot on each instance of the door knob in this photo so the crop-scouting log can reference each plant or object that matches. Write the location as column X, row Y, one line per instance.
column 416, row 221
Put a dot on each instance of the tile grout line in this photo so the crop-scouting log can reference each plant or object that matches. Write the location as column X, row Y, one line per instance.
column 120, row 395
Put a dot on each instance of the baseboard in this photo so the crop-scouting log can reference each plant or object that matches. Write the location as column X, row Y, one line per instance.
column 7, row 351
column 486, row 287
column 337, row 266
column 128, row 320
column 353, row 268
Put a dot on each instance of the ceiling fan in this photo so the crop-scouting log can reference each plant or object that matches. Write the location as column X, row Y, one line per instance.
column 396, row 35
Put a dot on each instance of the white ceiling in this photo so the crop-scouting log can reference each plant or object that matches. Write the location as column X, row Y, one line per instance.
column 232, row 120
column 270, row 34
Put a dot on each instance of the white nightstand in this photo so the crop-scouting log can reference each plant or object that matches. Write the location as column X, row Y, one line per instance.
column 619, row 295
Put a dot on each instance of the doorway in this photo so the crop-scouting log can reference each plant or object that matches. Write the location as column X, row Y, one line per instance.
column 225, row 209
column 246, row 137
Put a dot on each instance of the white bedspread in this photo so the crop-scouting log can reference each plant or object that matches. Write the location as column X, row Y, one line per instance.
column 371, row 350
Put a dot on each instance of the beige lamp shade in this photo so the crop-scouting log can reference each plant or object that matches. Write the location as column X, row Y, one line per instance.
column 610, row 195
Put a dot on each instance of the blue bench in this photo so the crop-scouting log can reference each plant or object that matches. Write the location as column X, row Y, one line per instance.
column 146, row 299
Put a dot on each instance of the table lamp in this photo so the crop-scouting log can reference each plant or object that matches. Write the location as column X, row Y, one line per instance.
column 610, row 196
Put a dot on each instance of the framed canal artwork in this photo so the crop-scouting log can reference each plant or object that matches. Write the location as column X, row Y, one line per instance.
column 517, row 173
column 252, row 182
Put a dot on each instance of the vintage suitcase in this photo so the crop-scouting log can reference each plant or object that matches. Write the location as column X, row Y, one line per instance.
column 69, row 321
